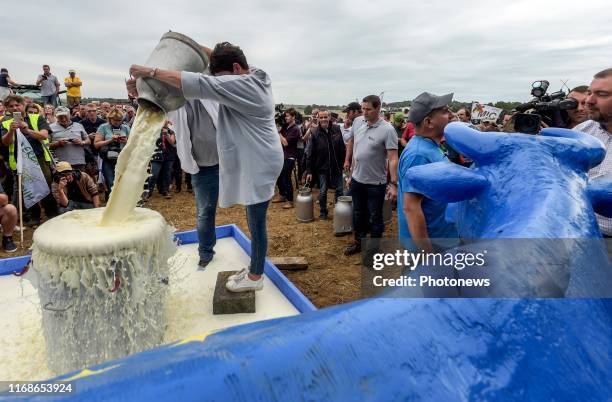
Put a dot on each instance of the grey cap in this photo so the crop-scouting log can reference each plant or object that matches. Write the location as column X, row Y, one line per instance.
column 425, row 103
column 62, row 111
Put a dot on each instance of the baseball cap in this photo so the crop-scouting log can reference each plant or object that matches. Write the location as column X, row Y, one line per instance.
column 71, row 71
column 352, row 106
column 425, row 103
column 398, row 117
column 62, row 111
column 63, row 167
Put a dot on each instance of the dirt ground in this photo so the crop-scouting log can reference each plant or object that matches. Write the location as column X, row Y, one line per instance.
column 331, row 277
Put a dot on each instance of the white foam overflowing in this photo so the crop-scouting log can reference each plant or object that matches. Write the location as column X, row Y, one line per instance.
column 102, row 289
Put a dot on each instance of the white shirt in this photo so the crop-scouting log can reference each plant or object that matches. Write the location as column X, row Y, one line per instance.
column 183, row 134
column 598, row 131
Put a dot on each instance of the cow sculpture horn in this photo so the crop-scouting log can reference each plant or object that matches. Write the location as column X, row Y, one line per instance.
column 479, row 146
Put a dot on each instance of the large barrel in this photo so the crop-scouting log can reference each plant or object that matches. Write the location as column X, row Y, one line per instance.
column 176, row 52
column 102, row 289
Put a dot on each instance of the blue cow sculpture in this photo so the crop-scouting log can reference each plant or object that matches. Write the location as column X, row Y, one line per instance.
column 528, row 202
column 420, row 349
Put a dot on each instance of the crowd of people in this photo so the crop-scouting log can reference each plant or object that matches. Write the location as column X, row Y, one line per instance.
column 232, row 151
column 76, row 147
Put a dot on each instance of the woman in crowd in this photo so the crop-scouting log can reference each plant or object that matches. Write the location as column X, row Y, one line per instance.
column 110, row 140
column 35, row 108
column 50, row 114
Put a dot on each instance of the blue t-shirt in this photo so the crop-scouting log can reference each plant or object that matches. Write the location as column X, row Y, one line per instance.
column 421, row 151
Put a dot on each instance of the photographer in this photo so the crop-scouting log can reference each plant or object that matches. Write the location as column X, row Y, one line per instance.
column 162, row 161
column 289, row 139
column 578, row 115
column 110, row 140
column 73, row 189
column 68, row 139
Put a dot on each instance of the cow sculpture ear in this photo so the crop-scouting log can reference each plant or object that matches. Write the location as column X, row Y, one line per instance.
column 446, row 182
column 582, row 149
column 600, row 194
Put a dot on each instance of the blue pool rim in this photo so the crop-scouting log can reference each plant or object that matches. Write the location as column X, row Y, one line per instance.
column 9, row 266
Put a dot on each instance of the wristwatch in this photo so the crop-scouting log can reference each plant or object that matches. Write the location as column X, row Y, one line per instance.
column 393, row 183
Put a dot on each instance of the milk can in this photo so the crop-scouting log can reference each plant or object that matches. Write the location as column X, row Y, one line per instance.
column 304, row 205
column 343, row 215
column 176, row 52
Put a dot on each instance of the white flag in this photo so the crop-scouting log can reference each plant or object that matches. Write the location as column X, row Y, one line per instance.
column 33, row 183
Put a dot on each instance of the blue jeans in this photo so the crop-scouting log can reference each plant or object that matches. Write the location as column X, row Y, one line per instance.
column 324, row 185
column 51, row 100
column 206, row 188
column 108, row 171
column 72, row 205
column 162, row 171
column 256, row 219
column 368, row 200
column 285, row 182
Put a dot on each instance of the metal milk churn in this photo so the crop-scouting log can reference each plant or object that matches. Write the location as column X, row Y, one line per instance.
column 387, row 211
column 176, row 52
column 304, row 205
column 343, row 215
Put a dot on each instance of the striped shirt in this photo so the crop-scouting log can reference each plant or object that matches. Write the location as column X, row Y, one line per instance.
column 598, row 131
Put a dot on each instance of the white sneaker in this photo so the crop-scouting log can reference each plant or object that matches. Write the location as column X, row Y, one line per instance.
column 244, row 284
column 238, row 274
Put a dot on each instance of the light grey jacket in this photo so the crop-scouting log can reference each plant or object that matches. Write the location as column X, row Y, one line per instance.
column 250, row 152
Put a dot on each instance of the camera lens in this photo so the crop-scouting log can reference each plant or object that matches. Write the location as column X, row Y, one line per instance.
column 527, row 123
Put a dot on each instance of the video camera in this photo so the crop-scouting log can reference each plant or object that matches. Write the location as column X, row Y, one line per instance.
column 279, row 117
column 551, row 109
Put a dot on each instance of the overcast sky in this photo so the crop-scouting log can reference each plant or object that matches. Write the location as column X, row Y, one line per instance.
column 326, row 52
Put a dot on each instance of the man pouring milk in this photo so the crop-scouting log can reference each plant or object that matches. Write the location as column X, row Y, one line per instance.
column 250, row 152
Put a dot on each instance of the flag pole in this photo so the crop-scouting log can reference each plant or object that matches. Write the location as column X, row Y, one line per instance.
column 20, row 209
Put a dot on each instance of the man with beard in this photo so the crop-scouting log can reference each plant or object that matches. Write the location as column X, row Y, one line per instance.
column 599, row 125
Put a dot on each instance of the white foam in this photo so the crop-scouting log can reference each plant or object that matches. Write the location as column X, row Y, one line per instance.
column 101, row 289
column 188, row 309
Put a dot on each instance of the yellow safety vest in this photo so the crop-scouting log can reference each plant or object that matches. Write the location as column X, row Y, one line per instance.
column 34, row 122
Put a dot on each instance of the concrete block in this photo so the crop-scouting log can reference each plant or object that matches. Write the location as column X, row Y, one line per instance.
column 226, row 302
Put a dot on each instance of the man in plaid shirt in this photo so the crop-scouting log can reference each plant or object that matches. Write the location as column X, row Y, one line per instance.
column 599, row 125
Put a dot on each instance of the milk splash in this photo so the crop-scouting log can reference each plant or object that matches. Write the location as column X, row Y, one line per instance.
column 131, row 169
column 102, row 274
